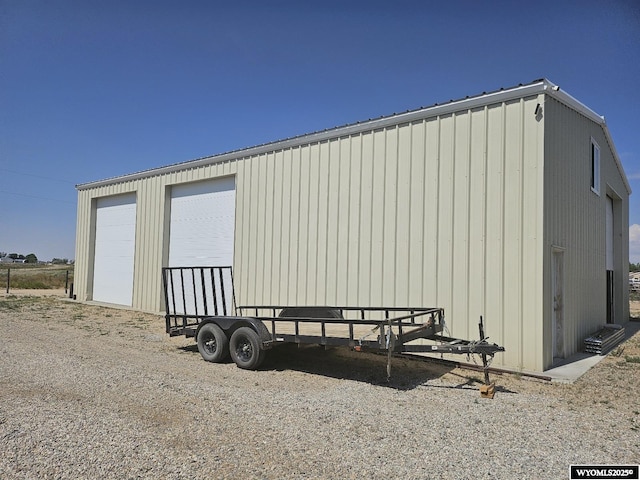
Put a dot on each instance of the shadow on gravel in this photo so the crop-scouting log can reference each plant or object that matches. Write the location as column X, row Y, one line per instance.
column 189, row 348
column 344, row 364
column 471, row 383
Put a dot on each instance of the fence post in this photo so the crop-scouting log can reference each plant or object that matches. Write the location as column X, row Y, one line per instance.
column 66, row 282
column 8, row 278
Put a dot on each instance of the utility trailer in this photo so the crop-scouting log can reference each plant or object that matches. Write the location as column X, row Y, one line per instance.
column 200, row 303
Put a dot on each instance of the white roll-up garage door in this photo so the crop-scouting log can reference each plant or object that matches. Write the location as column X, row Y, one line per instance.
column 201, row 234
column 202, row 223
column 114, row 249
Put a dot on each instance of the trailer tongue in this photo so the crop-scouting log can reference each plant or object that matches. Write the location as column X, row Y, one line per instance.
column 200, row 303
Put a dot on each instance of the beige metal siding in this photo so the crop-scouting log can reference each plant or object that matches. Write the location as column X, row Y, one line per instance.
column 433, row 212
column 440, row 211
column 575, row 221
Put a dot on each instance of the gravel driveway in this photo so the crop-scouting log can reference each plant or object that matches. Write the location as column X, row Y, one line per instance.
column 92, row 392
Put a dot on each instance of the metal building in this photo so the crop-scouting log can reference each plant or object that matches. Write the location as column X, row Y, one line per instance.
column 512, row 205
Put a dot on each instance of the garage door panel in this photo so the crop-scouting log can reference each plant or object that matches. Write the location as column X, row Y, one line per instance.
column 201, row 232
column 114, row 249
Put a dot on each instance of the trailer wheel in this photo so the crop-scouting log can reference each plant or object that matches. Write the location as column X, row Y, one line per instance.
column 213, row 344
column 245, row 348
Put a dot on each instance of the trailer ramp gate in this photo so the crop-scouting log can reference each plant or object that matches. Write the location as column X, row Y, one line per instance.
column 199, row 296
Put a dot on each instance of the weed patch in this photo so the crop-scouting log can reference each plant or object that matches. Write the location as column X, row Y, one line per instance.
column 13, row 302
column 6, row 305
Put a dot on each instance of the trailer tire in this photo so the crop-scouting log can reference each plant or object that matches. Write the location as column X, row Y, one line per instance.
column 245, row 348
column 213, row 344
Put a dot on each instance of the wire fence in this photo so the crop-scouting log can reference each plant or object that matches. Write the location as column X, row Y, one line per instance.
column 37, row 278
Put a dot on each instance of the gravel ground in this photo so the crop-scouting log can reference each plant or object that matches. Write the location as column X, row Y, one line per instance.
column 92, row 392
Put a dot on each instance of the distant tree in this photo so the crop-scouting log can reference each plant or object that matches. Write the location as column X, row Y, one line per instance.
column 3, row 254
column 60, row 261
column 13, row 255
column 31, row 258
column 634, row 267
column 21, row 257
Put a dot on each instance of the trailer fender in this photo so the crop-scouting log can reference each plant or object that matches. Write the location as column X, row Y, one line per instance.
column 231, row 324
column 311, row 312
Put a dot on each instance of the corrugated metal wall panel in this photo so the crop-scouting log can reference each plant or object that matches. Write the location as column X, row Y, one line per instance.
column 477, row 218
column 460, row 234
column 356, row 238
column 431, row 212
column 444, row 205
column 494, row 248
column 575, row 220
column 403, row 213
column 427, row 213
column 83, row 241
column 367, row 194
column 513, row 218
column 531, row 341
column 414, row 256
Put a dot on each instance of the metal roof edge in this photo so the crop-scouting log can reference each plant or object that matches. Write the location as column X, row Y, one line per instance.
column 534, row 88
column 555, row 92
column 562, row 96
column 612, row 146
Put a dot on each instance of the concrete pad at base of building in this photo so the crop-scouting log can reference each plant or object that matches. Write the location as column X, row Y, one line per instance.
column 578, row 364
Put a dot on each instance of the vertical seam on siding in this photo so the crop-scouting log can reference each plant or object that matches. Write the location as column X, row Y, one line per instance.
column 289, row 222
column 502, row 223
column 326, row 226
column 306, row 278
column 408, row 254
column 468, row 233
column 424, row 211
column 484, row 196
column 249, row 279
column 395, row 219
column 337, row 220
column 384, row 202
column 297, row 283
column 452, row 197
column 318, row 163
column 282, row 188
column 312, row 254
column 261, row 165
column 273, row 214
column 437, row 206
column 348, row 244
column 521, row 246
column 359, row 249
column 373, row 171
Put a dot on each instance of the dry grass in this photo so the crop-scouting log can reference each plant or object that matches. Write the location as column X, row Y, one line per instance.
column 41, row 277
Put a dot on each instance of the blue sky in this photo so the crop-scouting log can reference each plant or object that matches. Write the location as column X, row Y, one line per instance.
column 92, row 89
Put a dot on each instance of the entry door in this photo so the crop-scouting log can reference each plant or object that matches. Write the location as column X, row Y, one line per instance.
column 557, row 281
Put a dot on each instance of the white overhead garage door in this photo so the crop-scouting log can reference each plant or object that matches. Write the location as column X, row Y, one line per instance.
column 115, row 247
column 202, row 223
column 201, row 234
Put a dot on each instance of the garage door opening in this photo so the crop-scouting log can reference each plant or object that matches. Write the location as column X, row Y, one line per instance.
column 114, row 249
column 202, row 228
